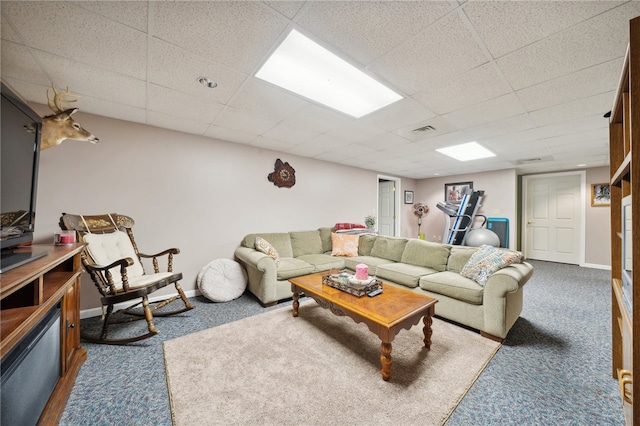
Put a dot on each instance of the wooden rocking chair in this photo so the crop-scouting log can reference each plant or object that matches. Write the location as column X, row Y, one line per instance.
column 112, row 259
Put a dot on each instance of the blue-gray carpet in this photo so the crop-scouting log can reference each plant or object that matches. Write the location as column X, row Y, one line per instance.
column 554, row 367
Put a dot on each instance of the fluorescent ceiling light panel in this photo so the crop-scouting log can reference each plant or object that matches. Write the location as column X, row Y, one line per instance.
column 466, row 151
column 308, row 69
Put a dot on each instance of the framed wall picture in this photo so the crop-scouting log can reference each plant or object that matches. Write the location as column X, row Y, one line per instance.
column 600, row 194
column 453, row 192
column 408, row 197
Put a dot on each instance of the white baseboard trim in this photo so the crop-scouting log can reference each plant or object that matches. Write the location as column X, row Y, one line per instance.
column 96, row 312
column 596, row 266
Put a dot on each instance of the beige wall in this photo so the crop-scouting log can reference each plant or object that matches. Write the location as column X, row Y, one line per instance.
column 194, row 193
column 598, row 223
column 204, row 195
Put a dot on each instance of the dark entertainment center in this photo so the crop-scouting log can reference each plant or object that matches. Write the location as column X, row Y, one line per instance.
column 40, row 352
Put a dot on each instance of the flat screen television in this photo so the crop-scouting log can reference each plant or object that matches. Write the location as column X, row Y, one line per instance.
column 19, row 157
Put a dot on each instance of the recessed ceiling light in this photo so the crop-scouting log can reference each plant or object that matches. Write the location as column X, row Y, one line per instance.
column 308, row 69
column 466, row 151
column 207, row 82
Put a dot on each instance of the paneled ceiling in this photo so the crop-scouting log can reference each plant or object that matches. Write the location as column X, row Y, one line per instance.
column 529, row 80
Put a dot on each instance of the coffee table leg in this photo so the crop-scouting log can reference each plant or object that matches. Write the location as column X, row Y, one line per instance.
column 427, row 320
column 296, row 303
column 385, row 360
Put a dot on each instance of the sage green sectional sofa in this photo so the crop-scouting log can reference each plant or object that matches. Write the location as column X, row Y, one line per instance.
column 425, row 267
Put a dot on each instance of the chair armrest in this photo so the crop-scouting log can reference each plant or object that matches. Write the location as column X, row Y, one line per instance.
column 252, row 257
column 162, row 253
column 95, row 269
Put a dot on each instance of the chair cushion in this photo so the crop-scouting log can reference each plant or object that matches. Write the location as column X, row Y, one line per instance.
column 344, row 245
column 222, row 280
column 105, row 249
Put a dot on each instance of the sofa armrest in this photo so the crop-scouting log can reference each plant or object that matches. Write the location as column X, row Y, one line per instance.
column 509, row 279
column 261, row 273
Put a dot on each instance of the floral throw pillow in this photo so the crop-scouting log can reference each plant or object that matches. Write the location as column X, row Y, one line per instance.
column 344, row 245
column 266, row 248
column 487, row 260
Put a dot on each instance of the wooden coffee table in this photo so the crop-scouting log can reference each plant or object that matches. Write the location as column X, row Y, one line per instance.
column 385, row 315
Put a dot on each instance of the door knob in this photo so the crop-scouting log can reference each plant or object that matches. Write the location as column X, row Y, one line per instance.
column 529, row 222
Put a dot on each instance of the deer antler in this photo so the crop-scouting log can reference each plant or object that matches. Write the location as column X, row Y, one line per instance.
column 56, row 104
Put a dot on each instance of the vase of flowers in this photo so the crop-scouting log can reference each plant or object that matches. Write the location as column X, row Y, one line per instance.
column 370, row 222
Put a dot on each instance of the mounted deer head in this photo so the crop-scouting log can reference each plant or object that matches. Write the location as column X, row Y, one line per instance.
column 60, row 126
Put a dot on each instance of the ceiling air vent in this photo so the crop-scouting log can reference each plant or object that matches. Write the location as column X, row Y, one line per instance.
column 535, row 160
column 427, row 128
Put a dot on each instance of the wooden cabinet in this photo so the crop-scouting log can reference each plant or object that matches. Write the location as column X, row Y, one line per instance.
column 624, row 156
column 31, row 291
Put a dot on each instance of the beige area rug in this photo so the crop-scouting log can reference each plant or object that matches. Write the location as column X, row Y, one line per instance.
column 318, row 369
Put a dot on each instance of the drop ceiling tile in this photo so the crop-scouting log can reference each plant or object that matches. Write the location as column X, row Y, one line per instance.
column 272, row 144
column 474, row 86
column 56, row 27
column 115, row 110
column 592, row 81
column 267, row 101
column 288, row 8
column 235, row 119
column 235, row 34
column 355, row 132
column 172, row 122
column 600, row 39
column 500, row 127
column 171, row 102
column 443, row 51
column 132, row 14
column 574, row 126
column 364, row 31
column 316, row 118
column 508, row 26
column 179, row 69
column 8, row 33
column 81, row 79
column 486, row 112
column 398, row 115
column 384, row 141
column 231, row 135
column 290, row 135
column 18, row 62
column 594, row 105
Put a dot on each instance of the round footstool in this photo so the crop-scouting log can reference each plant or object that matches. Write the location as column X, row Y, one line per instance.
column 222, row 280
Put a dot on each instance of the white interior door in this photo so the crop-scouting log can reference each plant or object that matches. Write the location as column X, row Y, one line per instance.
column 553, row 222
column 386, row 207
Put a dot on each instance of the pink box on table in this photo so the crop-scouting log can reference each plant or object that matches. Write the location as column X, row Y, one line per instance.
column 362, row 271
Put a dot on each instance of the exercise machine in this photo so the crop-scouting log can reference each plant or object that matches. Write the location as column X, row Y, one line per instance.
column 459, row 217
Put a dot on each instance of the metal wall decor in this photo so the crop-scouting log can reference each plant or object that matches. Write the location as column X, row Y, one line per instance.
column 283, row 175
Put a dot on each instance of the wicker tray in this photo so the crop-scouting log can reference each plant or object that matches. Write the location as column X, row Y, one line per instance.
column 348, row 284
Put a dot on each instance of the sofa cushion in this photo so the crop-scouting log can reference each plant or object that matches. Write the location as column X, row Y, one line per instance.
column 325, row 237
column 263, row 245
column 427, row 254
column 365, row 244
column 453, row 285
column 388, row 248
column 458, row 257
column 290, row 267
column 487, row 260
column 344, row 245
column 305, row 242
column 371, row 262
column 323, row 262
column 281, row 241
column 403, row 273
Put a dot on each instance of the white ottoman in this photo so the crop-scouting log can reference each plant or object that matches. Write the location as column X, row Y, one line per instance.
column 222, row 280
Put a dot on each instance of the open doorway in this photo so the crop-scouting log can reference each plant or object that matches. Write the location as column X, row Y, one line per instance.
column 388, row 206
